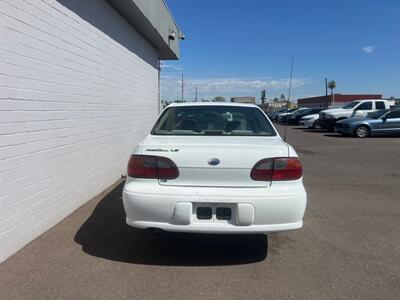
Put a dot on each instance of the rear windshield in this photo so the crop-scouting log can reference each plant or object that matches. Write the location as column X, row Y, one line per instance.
column 213, row 120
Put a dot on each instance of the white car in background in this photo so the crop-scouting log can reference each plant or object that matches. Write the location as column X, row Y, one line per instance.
column 355, row 109
column 214, row 168
column 310, row 121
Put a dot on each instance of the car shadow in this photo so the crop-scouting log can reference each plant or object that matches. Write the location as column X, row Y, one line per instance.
column 338, row 135
column 314, row 130
column 370, row 137
column 105, row 234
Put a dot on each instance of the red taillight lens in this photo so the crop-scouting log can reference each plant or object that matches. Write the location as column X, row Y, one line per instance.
column 166, row 168
column 263, row 170
column 287, row 168
column 145, row 166
column 281, row 168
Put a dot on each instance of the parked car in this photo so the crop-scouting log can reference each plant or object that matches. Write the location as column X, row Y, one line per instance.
column 285, row 116
column 290, row 110
column 274, row 114
column 355, row 109
column 310, row 121
column 295, row 118
column 376, row 123
column 214, row 168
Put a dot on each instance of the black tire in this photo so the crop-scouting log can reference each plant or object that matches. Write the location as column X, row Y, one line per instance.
column 316, row 125
column 362, row 131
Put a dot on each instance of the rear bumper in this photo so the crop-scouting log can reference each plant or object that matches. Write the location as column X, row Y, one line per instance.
column 279, row 207
column 216, row 229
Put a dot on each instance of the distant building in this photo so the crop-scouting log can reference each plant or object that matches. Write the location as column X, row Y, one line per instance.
column 339, row 99
column 246, row 99
column 277, row 104
column 393, row 100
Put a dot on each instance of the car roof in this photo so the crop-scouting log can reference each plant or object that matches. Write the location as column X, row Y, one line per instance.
column 182, row 104
column 363, row 100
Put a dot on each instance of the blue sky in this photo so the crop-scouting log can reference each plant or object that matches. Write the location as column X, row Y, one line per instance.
column 239, row 47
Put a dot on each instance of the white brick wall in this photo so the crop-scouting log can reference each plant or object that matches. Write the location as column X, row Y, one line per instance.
column 78, row 89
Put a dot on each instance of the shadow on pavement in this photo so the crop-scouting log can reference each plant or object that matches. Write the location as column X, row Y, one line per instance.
column 338, row 135
column 370, row 137
column 105, row 234
column 314, row 130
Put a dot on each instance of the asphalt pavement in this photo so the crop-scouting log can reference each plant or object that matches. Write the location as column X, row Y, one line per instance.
column 349, row 247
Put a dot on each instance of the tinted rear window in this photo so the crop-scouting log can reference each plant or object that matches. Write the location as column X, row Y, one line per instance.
column 213, row 120
column 380, row 105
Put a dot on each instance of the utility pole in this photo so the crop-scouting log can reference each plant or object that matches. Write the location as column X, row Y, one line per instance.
column 290, row 81
column 263, row 96
column 326, row 92
column 196, row 94
column 290, row 88
column 332, row 86
column 182, row 88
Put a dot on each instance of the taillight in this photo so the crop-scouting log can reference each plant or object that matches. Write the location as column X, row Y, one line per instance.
column 280, row 168
column 287, row 168
column 263, row 170
column 155, row 167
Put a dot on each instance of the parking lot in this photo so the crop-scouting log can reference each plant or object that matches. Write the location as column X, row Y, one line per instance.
column 348, row 248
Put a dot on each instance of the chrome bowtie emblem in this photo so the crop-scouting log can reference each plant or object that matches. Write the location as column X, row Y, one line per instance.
column 213, row 161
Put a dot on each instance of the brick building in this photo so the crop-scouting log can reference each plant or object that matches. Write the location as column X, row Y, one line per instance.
column 79, row 87
column 339, row 100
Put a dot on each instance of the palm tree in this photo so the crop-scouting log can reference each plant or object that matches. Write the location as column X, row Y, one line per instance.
column 332, row 86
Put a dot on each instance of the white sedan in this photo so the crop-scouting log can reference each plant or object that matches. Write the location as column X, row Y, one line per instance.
column 214, row 168
column 310, row 121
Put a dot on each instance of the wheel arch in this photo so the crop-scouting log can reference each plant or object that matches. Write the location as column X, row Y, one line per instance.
column 364, row 125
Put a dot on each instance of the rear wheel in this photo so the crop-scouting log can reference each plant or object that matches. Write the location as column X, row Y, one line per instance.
column 362, row 131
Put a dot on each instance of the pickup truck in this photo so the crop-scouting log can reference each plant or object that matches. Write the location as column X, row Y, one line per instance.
column 355, row 109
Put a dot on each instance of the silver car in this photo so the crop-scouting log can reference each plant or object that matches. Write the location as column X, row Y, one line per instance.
column 376, row 123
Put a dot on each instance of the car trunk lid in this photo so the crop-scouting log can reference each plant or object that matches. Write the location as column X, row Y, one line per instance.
column 214, row 161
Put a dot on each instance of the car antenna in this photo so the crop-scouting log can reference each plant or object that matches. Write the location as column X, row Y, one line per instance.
column 288, row 99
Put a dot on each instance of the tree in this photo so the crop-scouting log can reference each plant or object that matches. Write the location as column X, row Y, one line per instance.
column 282, row 97
column 332, row 86
column 219, row 99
